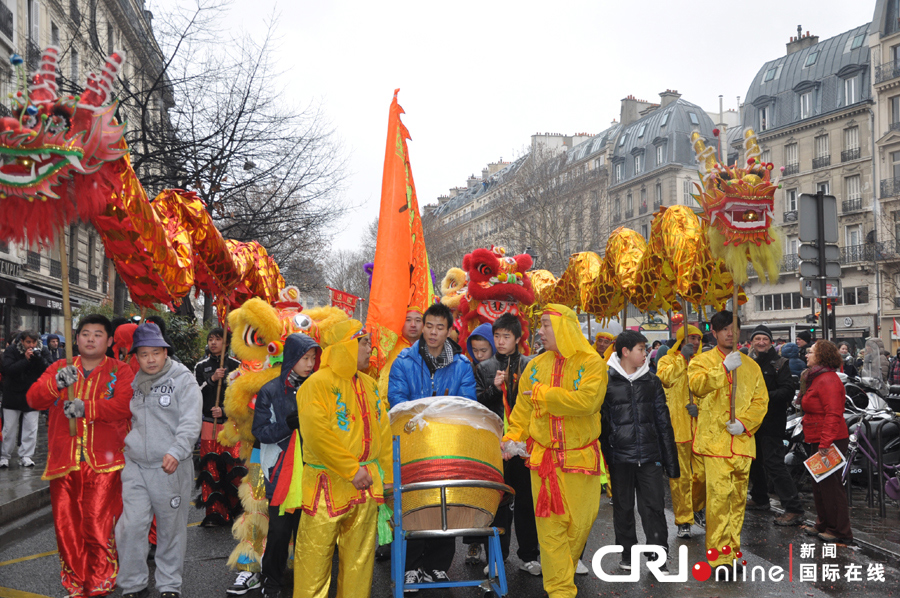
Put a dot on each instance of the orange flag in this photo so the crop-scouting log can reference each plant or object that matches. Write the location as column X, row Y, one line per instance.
column 401, row 278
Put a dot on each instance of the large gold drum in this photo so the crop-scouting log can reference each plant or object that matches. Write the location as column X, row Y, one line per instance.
column 448, row 438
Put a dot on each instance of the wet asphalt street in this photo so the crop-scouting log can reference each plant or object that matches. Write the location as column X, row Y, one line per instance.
column 29, row 566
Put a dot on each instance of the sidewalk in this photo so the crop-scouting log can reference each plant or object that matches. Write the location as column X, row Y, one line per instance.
column 21, row 488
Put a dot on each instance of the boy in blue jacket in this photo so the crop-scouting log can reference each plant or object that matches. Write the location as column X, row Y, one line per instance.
column 274, row 421
column 433, row 367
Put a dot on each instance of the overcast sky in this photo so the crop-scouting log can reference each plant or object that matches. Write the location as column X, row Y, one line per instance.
column 477, row 79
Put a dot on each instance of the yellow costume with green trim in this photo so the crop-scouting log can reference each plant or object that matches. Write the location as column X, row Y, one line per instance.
column 557, row 414
column 726, row 458
column 688, row 491
column 344, row 425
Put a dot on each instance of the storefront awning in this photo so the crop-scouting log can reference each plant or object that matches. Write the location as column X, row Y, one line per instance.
column 49, row 300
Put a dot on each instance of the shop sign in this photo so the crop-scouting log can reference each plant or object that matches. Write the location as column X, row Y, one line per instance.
column 12, row 269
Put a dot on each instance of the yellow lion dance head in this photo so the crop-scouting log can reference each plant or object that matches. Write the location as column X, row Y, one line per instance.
column 257, row 339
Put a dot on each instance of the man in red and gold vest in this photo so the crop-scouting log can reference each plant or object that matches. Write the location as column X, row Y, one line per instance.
column 84, row 470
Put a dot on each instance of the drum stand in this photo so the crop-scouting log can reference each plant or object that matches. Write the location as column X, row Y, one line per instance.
column 495, row 584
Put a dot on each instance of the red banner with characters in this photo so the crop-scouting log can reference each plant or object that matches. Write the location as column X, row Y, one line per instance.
column 343, row 300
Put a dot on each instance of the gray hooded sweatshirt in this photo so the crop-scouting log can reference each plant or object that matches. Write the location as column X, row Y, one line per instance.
column 166, row 419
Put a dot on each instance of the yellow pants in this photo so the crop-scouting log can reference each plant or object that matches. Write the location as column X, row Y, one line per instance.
column 355, row 531
column 688, row 491
column 726, row 497
column 562, row 537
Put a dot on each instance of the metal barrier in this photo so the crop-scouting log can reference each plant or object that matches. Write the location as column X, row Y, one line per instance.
column 496, row 580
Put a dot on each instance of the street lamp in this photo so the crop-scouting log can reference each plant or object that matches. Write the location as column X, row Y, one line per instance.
column 534, row 257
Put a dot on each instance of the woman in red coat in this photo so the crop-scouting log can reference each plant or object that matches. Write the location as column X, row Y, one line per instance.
column 824, row 426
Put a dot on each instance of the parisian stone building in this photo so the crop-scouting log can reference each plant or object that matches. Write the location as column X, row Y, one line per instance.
column 85, row 33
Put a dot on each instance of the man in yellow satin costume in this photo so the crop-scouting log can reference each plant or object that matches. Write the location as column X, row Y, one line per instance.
column 347, row 453
column 727, row 448
column 689, row 490
column 557, row 416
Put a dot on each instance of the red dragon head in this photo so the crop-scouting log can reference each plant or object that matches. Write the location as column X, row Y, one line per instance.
column 498, row 281
column 50, row 144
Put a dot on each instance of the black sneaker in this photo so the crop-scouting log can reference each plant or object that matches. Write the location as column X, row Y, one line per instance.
column 243, row 583
column 151, row 554
column 625, row 565
column 169, row 595
column 684, row 530
column 439, row 576
column 383, row 552
column 139, row 594
column 700, row 517
column 412, row 576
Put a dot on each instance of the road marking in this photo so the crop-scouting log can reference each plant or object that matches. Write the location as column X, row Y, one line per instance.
column 10, row 593
column 23, row 559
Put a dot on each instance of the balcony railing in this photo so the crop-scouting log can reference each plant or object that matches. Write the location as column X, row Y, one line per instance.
column 790, row 262
column 887, row 71
column 33, row 262
column 790, row 169
column 643, row 209
column 629, row 214
column 6, row 21
column 74, row 276
column 851, row 205
column 32, row 55
column 657, row 204
column 868, row 252
column 850, row 154
column 92, row 282
column 55, row 269
column 616, row 217
column 821, row 162
column 890, row 187
column 790, row 216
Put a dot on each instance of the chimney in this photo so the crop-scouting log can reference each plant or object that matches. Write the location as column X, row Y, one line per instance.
column 801, row 42
column 443, row 199
column 667, row 97
column 631, row 109
column 485, row 173
column 471, row 182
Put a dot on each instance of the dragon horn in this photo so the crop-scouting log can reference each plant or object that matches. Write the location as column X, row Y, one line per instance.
column 99, row 89
column 751, row 147
column 43, row 88
column 705, row 155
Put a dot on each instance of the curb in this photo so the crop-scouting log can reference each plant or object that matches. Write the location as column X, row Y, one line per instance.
column 24, row 505
column 883, row 547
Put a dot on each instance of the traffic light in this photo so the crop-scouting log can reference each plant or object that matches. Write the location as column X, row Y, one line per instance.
column 704, row 327
column 813, row 320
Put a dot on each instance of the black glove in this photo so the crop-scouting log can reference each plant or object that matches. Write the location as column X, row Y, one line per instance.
column 692, row 409
column 687, row 350
column 293, row 421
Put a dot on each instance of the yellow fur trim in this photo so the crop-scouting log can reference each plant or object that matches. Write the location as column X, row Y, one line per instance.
column 454, row 281
column 259, row 315
column 766, row 258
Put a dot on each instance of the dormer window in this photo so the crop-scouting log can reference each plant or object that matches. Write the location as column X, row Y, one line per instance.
column 806, row 104
column 770, row 74
column 622, row 140
column 857, row 41
column 811, row 59
column 764, row 123
column 641, row 130
column 694, row 120
column 664, row 120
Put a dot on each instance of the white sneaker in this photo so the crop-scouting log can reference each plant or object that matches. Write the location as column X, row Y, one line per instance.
column 580, row 569
column 486, row 569
column 26, row 462
column 4, row 463
column 533, row 567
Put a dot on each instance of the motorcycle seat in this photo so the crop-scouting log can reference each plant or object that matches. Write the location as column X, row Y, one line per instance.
column 894, row 389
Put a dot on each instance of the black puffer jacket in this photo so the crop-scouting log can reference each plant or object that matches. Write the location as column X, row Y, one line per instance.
column 776, row 372
column 485, row 372
column 19, row 373
column 636, row 427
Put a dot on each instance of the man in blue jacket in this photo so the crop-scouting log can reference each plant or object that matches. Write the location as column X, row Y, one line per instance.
column 274, row 420
column 433, row 367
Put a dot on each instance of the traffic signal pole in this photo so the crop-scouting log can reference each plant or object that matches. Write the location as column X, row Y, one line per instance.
column 820, row 214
